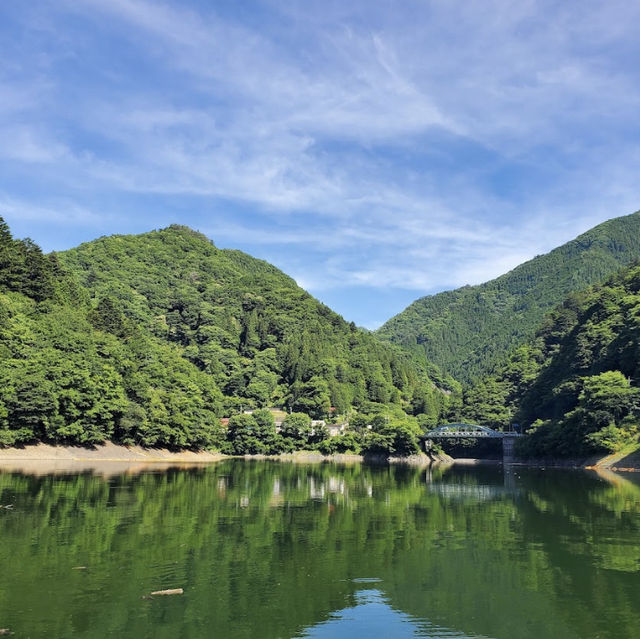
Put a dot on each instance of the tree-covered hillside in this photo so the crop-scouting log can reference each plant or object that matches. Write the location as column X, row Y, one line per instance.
column 260, row 337
column 151, row 338
column 77, row 372
column 574, row 387
column 468, row 330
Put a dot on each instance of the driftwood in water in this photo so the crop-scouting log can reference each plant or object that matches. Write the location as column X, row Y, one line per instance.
column 171, row 591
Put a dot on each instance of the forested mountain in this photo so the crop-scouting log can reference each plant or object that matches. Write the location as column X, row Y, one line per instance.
column 151, row 338
column 574, row 386
column 468, row 330
column 80, row 372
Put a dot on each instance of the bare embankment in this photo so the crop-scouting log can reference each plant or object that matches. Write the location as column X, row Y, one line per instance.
column 626, row 459
column 104, row 459
column 110, row 459
column 307, row 457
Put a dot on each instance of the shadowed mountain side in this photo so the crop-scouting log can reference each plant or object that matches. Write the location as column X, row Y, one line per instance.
column 467, row 330
column 573, row 387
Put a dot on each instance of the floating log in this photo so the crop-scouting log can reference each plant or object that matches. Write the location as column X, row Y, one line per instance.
column 171, row 591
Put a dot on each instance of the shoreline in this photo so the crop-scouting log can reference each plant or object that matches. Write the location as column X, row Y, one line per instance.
column 608, row 462
column 110, row 458
column 106, row 459
column 110, row 452
column 312, row 457
column 107, row 451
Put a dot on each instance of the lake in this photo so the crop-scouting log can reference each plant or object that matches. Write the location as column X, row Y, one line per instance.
column 267, row 549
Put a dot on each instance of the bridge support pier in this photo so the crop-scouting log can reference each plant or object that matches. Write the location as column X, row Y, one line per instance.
column 508, row 445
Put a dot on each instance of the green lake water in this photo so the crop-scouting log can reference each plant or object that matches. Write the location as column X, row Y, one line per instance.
column 266, row 549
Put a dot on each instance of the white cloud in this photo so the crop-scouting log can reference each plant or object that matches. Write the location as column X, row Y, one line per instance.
column 59, row 212
column 27, row 144
column 382, row 143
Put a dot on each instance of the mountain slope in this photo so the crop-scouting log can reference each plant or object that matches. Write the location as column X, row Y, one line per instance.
column 150, row 339
column 468, row 330
column 574, row 386
column 76, row 372
column 246, row 324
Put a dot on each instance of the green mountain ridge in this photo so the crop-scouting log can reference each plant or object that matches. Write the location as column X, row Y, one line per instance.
column 467, row 331
column 574, row 386
column 152, row 338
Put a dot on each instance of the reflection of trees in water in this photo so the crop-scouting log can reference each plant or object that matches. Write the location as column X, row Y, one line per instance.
column 591, row 541
column 267, row 548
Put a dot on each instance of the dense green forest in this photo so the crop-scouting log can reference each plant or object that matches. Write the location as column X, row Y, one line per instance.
column 151, row 339
column 574, row 386
column 469, row 330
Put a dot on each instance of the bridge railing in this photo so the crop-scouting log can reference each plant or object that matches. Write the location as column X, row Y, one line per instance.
column 462, row 433
column 468, row 431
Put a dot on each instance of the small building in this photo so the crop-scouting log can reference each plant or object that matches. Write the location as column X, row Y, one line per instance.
column 336, row 429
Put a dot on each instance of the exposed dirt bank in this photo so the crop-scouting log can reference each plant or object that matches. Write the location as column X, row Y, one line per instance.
column 105, row 459
column 627, row 459
column 111, row 459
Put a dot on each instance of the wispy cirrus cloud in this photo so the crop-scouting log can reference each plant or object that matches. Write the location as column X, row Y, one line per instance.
column 353, row 144
column 59, row 212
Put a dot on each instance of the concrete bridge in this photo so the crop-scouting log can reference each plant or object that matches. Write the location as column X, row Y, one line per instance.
column 473, row 431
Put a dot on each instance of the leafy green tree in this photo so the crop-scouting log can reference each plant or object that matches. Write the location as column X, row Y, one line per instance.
column 378, row 444
column 297, row 428
column 109, row 317
column 349, row 442
column 266, row 431
column 262, row 387
column 312, row 398
column 359, row 422
column 405, row 438
column 487, row 404
column 319, row 434
column 612, row 438
column 610, row 392
column 242, row 434
column 31, row 406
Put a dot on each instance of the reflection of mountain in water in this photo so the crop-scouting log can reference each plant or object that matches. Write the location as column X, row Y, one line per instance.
column 372, row 617
column 265, row 549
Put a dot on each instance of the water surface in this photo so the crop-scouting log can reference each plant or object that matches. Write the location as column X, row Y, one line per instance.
column 267, row 549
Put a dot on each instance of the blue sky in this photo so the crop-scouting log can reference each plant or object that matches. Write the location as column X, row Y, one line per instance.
column 376, row 151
